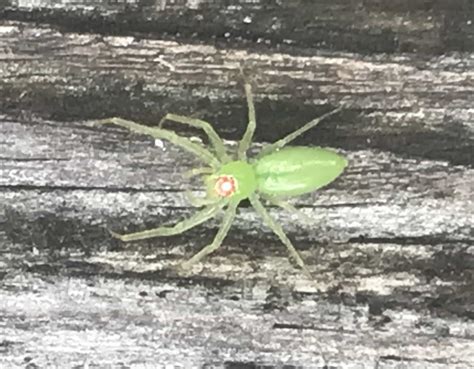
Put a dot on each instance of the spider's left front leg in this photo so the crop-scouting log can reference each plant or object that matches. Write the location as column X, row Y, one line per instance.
column 196, row 219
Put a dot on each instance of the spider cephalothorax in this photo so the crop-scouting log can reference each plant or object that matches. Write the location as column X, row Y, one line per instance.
column 235, row 180
column 275, row 173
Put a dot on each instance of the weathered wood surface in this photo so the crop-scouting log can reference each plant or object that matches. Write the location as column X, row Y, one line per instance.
column 391, row 244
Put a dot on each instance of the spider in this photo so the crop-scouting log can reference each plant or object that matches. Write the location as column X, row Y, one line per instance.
column 277, row 172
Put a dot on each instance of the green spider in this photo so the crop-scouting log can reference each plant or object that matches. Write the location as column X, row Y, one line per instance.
column 276, row 173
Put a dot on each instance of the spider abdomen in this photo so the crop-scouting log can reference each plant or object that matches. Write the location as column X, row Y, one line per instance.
column 294, row 171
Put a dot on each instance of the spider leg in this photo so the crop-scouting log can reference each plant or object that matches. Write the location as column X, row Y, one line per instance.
column 246, row 140
column 198, row 171
column 201, row 152
column 287, row 139
column 196, row 219
column 221, row 233
column 289, row 207
column 275, row 227
column 214, row 138
column 198, row 201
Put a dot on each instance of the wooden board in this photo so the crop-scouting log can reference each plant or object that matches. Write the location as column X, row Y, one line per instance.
column 390, row 242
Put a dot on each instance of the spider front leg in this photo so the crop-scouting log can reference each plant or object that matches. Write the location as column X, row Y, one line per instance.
column 198, row 201
column 221, row 233
column 275, row 227
column 199, row 151
column 214, row 138
column 198, row 171
column 196, row 219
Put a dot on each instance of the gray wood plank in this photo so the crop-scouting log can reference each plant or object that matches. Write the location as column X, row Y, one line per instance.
column 391, row 244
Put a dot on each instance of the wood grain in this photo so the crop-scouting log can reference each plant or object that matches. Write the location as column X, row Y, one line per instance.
column 391, row 241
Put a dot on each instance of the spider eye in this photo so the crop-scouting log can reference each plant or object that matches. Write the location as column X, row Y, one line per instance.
column 225, row 186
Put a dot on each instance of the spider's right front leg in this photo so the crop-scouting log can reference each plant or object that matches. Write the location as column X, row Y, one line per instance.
column 199, row 151
column 214, row 138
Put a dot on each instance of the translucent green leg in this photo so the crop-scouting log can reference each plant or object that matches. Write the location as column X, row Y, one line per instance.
column 289, row 207
column 198, row 201
column 275, row 227
column 194, row 200
column 285, row 140
column 221, row 233
column 198, row 171
column 202, row 153
column 196, row 219
column 244, row 144
column 214, row 138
